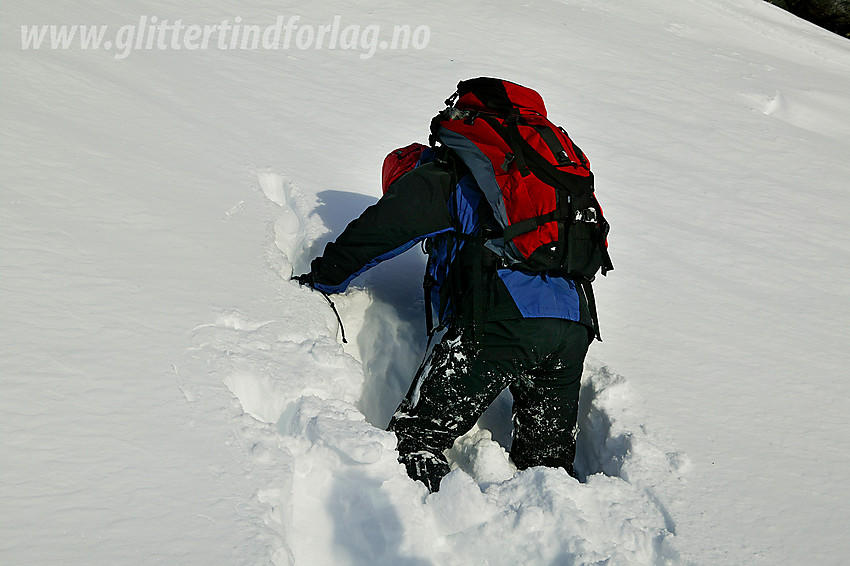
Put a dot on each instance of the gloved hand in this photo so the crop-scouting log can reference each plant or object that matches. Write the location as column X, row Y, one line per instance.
column 304, row 279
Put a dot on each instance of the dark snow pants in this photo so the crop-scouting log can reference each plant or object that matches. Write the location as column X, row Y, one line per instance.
column 540, row 359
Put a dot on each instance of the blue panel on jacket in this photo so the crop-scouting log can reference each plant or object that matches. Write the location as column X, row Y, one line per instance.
column 537, row 295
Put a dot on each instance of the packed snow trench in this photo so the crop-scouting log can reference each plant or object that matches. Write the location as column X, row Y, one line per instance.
column 320, row 407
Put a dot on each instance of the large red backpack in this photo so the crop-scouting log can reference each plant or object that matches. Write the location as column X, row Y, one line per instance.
column 536, row 180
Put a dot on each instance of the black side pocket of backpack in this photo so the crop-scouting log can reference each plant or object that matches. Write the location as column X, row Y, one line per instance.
column 584, row 257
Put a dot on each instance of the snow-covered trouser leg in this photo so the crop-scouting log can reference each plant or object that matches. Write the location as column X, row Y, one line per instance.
column 540, row 359
column 443, row 405
column 545, row 409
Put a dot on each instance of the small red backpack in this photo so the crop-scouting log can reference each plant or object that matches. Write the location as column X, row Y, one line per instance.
column 400, row 161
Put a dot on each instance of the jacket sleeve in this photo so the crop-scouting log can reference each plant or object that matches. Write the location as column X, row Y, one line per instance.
column 413, row 208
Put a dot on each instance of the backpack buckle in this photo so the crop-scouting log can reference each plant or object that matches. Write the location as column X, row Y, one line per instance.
column 564, row 159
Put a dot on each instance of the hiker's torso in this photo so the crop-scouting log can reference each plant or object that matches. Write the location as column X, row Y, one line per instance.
column 504, row 293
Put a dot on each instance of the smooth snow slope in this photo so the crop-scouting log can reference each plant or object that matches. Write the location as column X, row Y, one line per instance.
column 169, row 397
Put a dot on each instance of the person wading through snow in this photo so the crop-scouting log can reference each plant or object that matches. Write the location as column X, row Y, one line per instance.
column 508, row 278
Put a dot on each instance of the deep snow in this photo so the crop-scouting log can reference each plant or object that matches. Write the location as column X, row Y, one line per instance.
column 170, row 397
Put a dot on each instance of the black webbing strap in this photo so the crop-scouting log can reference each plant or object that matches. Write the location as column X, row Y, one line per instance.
column 511, row 136
column 528, row 156
column 606, row 257
column 555, row 146
column 427, row 286
column 530, row 224
column 587, row 288
column 514, row 139
column 604, row 228
column 478, row 288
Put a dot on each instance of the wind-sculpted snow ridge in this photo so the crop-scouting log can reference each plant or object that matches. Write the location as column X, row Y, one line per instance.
column 340, row 497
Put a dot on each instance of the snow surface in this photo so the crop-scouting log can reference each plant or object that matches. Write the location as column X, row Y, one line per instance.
column 168, row 396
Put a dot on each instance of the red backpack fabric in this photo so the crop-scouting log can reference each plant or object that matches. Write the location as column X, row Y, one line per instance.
column 535, row 178
column 400, row 161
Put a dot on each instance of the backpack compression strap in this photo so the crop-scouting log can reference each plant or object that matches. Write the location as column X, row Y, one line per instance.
column 527, row 157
